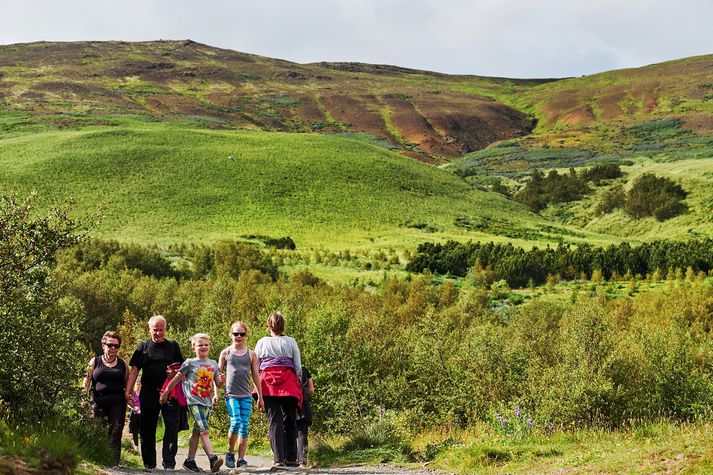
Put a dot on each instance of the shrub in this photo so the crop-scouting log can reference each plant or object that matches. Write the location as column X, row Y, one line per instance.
column 613, row 198
column 604, row 171
column 655, row 196
column 39, row 331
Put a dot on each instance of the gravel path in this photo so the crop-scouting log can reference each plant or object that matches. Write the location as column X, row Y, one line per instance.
column 263, row 465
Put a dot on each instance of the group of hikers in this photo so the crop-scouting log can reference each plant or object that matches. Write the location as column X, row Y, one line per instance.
column 173, row 387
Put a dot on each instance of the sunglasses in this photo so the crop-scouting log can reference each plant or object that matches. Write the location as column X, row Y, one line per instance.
column 113, row 345
column 240, row 334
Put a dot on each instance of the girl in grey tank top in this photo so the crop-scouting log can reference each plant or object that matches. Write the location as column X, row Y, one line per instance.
column 239, row 363
column 237, row 374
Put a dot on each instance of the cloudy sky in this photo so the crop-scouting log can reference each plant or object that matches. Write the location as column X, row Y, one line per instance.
column 511, row 38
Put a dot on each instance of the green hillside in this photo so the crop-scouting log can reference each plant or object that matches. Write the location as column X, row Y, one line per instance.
column 324, row 152
column 169, row 182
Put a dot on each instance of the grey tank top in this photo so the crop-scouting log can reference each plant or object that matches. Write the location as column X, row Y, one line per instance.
column 237, row 375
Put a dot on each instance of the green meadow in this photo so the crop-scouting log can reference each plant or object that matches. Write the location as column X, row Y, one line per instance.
column 163, row 183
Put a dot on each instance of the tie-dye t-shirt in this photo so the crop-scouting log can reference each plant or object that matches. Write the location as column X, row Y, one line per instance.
column 198, row 381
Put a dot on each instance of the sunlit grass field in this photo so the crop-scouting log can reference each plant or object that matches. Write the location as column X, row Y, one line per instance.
column 172, row 182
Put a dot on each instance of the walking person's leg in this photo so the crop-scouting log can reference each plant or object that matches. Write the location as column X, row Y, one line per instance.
column 147, row 429
column 170, row 412
column 276, row 431
column 289, row 416
column 246, row 407
column 302, row 444
column 117, row 416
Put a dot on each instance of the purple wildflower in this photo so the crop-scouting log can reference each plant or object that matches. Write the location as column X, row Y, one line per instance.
column 503, row 421
column 517, row 410
column 529, row 423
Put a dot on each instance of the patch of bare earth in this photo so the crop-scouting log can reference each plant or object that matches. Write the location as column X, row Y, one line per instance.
column 360, row 114
column 465, row 123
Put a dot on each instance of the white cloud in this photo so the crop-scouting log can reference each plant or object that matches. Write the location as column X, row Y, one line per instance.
column 515, row 38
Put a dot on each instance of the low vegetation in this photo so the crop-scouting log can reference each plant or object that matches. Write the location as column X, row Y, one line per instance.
column 519, row 267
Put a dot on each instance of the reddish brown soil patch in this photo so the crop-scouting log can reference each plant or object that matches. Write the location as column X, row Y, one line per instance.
column 699, row 123
column 64, row 89
column 611, row 103
column 307, row 110
column 466, row 123
column 415, row 128
column 360, row 114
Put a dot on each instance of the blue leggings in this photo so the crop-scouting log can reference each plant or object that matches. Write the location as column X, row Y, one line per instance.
column 239, row 409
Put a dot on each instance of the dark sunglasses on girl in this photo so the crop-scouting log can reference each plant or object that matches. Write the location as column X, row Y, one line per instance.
column 239, row 334
column 113, row 345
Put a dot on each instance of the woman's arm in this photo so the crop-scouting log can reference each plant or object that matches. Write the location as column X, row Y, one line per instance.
column 296, row 359
column 88, row 377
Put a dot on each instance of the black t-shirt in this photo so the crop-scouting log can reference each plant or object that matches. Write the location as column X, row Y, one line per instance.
column 152, row 359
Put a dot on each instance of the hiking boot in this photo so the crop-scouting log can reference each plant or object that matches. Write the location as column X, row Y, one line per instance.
column 215, row 463
column 230, row 460
column 191, row 466
column 242, row 463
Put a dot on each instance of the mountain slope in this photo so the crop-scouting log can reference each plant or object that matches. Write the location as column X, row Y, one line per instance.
column 425, row 115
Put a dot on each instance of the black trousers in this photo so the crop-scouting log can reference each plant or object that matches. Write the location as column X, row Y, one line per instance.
column 113, row 416
column 302, row 444
column 149, row 421
column 281, row 414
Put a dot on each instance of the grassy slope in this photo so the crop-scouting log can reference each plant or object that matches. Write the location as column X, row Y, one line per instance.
column 165, row 183
column 653, row 448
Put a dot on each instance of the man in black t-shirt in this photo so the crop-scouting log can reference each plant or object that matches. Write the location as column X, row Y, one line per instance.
column 153, row 357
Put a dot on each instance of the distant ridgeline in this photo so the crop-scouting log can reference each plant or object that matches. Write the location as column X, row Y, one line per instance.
column 519, row 267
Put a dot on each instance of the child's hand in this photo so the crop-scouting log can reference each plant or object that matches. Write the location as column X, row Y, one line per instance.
column 220, row 380
column 163, row 397
column 261, row 404
column 215, row 399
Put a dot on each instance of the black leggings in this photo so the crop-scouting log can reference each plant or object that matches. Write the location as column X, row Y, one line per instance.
column 281, row 414
column 113, row 416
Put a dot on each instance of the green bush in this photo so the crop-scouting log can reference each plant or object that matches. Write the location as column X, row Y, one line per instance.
column 655, row 196
column 39, row 329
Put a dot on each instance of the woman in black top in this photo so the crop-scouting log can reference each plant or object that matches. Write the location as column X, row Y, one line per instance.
column 106, row 383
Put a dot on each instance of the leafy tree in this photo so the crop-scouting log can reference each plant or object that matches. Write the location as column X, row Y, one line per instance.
column 655, row 196
column 39, row 330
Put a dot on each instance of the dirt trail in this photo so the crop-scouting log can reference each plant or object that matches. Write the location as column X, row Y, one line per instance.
column 263, row 465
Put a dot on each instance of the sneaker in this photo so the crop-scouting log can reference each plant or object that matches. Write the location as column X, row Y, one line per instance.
column 278, row 466
column 191, row 466
column 303, row 465
column 242, row 463
column 230, row 460
column 215, row 463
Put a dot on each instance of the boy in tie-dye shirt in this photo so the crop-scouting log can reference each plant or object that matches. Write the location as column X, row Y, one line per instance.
column 201, row 381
